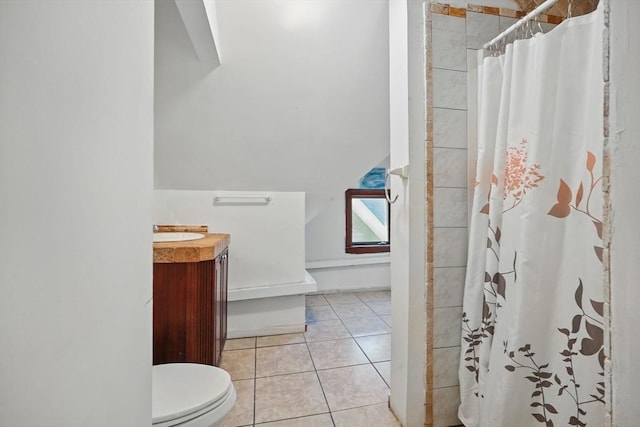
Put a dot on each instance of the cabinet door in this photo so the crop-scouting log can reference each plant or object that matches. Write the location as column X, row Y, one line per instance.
column 224, row 282
column 183, row 313
column 218, row 310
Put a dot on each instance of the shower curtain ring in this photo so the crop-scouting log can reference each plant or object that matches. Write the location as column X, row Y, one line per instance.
column 539, row 26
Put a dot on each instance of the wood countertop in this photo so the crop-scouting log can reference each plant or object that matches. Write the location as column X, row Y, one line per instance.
column 207, row 248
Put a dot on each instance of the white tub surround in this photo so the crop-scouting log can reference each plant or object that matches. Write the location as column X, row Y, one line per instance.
column 356, row 273
column 267, row 277
column 268, row 309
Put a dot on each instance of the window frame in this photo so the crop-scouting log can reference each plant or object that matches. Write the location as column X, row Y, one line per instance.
column 364, row 248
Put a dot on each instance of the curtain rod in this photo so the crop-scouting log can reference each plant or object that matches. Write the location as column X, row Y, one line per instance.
column 535, row 12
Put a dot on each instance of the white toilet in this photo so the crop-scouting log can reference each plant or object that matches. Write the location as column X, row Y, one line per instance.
column 190, row 395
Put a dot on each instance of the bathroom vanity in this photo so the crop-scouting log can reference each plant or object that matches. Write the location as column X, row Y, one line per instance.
column 190, row 299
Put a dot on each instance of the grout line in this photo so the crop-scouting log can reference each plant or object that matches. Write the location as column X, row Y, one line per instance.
column 379, row 373
column 447, row 146
column 293, row 418
column 449, row 69
column 449, row 346
column 452, row 69
column 255, row 379
column 361, row 406
column 320, row 383
column 449, row 108
column 452, row 148
column 345, row 366
column 288, row 373
column 449, row 266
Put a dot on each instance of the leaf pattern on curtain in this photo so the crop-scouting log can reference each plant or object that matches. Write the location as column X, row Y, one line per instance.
column 585, row 334
column 562, row 209
column 586, row 326
column 520, row 177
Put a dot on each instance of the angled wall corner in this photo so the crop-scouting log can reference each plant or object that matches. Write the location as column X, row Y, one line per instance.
column 408, row 226
column 623, row 153
column 200, row 21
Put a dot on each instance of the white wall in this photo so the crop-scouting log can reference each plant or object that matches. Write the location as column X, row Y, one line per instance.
column 76, row 149
column 624, row 152
column 267, row 239
column 300, row 102
column 333, row 268
column 408, row 98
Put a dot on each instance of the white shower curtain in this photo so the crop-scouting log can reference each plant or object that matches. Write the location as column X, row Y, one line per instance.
column 532, row 330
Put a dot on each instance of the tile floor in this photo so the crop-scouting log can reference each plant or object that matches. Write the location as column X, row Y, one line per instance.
column 334, row 375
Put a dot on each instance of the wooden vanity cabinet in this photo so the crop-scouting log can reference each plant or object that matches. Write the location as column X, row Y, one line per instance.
column 190, row 311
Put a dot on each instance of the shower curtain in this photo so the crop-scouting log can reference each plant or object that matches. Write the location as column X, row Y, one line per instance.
column 532, row 327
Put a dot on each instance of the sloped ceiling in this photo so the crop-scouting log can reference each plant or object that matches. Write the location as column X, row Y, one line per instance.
column 300, row 102
column 578, row 7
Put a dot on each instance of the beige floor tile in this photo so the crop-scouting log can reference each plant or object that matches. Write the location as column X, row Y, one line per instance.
column 386, row 319
column 311, row 300
column 283, row 359
column 280, row 340
column 371, row 416
column 326, row 330
column 336, row 353
column 353, row 386
column 288, row 396
column 376, row 347
column 347, row 311
column 374, row 296
column 323, row 420
column 240, row 343
column 384, row 369
column 317, row 313
column 342, row 298
column 240, row 364
column 381, row 308
column 242, row 412
column 366, row 325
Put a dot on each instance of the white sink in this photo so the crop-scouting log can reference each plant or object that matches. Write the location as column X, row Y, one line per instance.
column 176, row 237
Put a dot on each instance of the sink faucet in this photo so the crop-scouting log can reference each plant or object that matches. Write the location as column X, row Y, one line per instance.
column 155, row 228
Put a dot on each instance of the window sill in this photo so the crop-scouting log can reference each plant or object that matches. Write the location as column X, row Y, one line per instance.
column 367, row 249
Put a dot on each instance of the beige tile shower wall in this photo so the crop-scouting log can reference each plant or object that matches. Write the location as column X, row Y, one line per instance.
column 452, row 34
column 449, row 44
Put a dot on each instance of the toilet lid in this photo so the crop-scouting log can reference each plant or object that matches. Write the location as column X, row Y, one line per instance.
column 180, row 389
